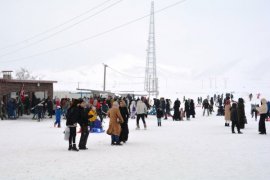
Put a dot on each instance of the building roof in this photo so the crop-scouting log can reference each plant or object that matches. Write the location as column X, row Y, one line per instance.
column 26, row 81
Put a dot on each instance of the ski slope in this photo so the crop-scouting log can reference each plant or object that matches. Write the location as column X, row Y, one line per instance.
column 198, row 149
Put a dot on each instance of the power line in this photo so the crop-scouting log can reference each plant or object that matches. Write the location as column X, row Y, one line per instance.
column 127, row 75
column 55, row 27
column 96, row 35
column 60, row 31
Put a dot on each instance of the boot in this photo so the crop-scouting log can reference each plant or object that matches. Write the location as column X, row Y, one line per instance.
column 239, row 132
column 70, row 147
column 145, row 126
column 74, row 148
column 117, row 141
column 138, row 127
column 233, row 132
column 160, row 124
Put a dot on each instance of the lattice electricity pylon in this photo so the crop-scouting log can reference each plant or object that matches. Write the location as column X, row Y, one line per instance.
column 151, row 80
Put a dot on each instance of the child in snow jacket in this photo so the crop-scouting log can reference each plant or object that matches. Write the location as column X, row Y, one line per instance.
column 58, row 113
column 92, row 117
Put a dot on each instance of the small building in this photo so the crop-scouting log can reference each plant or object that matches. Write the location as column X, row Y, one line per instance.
column 11, row 88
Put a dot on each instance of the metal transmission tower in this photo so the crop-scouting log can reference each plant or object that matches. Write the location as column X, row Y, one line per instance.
column 151, row 80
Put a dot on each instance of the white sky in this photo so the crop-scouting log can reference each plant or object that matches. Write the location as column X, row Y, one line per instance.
column 196, row 40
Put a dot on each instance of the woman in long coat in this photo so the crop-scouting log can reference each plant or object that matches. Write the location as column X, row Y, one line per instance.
column 227, row 112
column 241, row 113
column 114, row 126
column 192, row 108
column 263, row 115
column 124, row 125
column 187, row 109
column 176, row 114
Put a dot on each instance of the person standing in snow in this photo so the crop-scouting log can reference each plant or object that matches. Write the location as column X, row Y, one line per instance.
column 241, row 113
column 211, row 107
column 58, row 113
column 159, row 116
column 192, row 108
column 263, row 115
column 168, row 108
column 133, row 109
column 83, row 121
column 114, row 125
column 72, row 120
column 250, row 96
column 234, row 118
column 176, row 106
column 124, row 126
column 182, row 114
column 205, row 107
column 141, row 110
column 227, row 111
column 92, row 117
column 187, row 110
column 50, row 107
column 163, row 106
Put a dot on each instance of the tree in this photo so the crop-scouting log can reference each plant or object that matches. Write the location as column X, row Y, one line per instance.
column 24, row 74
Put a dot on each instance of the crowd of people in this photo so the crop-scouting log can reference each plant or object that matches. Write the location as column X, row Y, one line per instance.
column 84, row 112
column 88, row 113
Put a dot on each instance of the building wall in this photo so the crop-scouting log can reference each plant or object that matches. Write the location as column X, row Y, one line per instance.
column 8, row 87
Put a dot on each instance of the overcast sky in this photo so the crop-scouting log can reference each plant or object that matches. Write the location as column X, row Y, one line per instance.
column 197, row 40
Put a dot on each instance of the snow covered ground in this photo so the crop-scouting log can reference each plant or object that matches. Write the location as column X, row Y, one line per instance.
column 198, row 149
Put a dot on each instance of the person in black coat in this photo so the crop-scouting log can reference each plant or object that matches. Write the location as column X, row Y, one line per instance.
column 83, row 121
column 168, row 108
column 205, row 107
column 72, row 119
column 157, row 103
column 187, row 109
column 49, row 107
column 176, row 106
column 163, row 107
column 234, row 118
column 124, row 126
column 192, row 108
column 241, row 113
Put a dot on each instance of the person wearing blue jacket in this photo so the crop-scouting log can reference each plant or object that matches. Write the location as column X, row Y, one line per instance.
column 58, row 113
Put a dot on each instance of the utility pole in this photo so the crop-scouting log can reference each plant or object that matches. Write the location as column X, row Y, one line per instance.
column 104, row 80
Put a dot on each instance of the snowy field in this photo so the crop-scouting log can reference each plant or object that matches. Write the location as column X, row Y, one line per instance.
column 198, row 149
